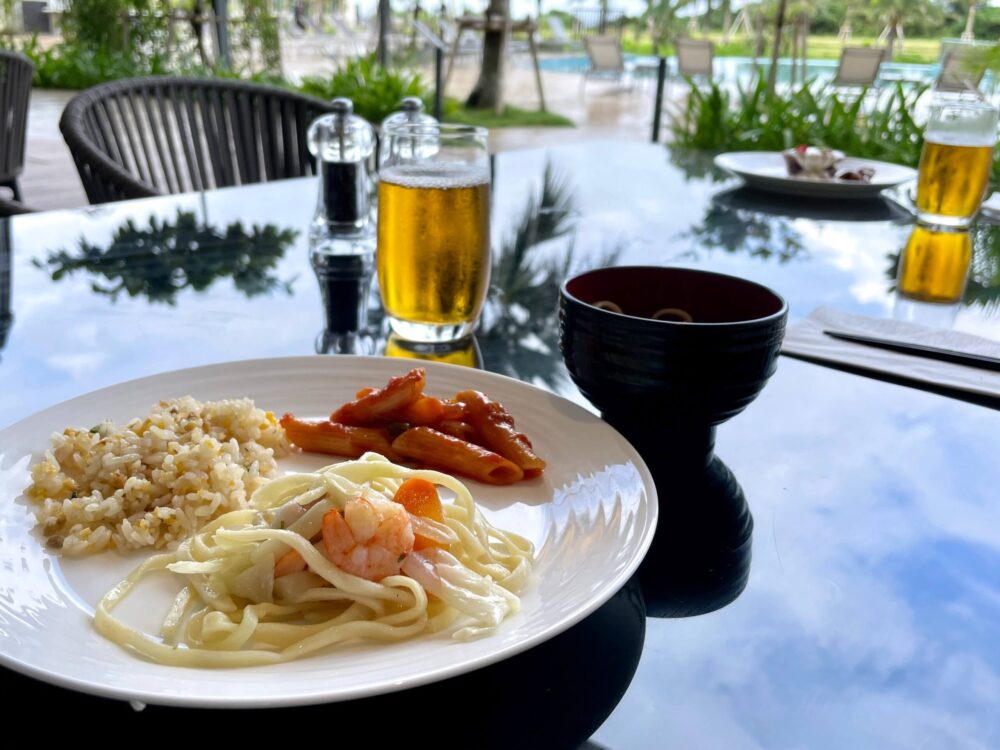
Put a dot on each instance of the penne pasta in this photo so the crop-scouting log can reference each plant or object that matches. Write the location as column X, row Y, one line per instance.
column 461, row 430
column 379, row 403
column 495, row 426
column 469, row 433
column 337, row 439
column 446, row 452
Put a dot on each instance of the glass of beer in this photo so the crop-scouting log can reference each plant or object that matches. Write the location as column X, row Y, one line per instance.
column 956, row 161
column 433, row 253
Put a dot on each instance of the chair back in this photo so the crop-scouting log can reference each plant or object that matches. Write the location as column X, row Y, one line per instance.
column 155, row 136
column 962, row 69
column 605, row 53
column 859, row 66
column 16, row 72
column 11, row 207
column 694, row 57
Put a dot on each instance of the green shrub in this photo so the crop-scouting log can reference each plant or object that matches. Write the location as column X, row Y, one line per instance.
column 71, row 66
column 375, row 90
column 716, row 119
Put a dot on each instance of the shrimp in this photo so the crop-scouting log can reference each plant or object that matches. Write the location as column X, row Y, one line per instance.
column 370, row 539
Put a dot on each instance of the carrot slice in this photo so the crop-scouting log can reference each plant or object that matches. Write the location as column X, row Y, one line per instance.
column 426, row 411
column 420, row 498
column 290, row 562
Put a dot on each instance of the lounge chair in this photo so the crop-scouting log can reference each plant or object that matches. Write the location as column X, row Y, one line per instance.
column 859, row 67
column 962, row 70
column 607, row 59
column 695, row 58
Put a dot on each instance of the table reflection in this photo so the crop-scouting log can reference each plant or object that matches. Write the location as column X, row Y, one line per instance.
column 555, row 695
column 934, row 265
column 862, row 210
column 163, row 257
column 464, row 352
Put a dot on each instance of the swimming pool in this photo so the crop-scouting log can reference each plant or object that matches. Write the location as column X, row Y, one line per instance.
column 740, row 69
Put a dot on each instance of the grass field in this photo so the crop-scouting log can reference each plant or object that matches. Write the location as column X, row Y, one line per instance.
column 819, row 47
column 512, row 117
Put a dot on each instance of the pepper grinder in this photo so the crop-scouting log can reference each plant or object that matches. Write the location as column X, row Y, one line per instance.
column 342, row 237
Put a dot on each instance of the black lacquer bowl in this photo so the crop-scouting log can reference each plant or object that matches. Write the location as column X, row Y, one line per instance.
column 697, row 373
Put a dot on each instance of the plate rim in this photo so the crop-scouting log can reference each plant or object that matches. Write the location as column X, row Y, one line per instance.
column 607, row 591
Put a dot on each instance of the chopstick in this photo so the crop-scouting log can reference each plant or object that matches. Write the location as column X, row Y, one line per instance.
column 979, row 361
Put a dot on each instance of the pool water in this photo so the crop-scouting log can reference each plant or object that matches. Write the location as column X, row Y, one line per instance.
column 740, row 69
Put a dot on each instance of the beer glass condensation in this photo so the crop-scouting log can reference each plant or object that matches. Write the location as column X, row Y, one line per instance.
column 433, row 253
column 956, row 161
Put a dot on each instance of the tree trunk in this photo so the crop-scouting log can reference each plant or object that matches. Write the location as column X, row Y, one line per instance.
column 488, row 92
column 708, row 15
column 651, row 27
column 779, row 25
column 970, row 22
column 890, row 40
column 384, row 21
column 727, row 18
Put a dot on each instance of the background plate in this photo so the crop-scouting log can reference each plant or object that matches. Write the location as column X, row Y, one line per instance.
column 766, row 170
column 591, row 518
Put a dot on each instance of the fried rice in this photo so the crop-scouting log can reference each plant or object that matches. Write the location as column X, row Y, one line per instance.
column 158, row 479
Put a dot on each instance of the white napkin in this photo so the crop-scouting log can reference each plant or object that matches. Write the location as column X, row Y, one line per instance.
column 807, row 340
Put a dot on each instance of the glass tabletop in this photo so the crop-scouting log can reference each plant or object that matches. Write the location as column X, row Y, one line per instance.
column 863, row 613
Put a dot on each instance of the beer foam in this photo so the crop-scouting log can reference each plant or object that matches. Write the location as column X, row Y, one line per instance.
column 947, row 138
column 436, row 176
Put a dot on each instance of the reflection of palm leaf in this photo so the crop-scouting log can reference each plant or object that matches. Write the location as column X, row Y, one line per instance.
column 546, row 216
column 697, row 164
column 160, row 260
column 520, row 332
column 737, row 230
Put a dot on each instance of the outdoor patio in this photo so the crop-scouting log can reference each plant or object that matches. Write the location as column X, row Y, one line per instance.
column 656, row 418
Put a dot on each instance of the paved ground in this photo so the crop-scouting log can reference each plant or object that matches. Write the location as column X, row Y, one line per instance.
column 603, row 110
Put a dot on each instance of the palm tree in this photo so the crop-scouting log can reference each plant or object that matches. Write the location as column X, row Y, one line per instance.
column 488, row 91
column 970, row 22
column 895, row 13
column 663, row 21
column 779, row 25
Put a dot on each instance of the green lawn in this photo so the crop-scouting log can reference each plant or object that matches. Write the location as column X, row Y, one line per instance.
column 512, row 117
column 819, row 48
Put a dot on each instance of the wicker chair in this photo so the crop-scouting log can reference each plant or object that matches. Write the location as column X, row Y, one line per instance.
column 155, row 136
column 16, row 72
column 10, row 207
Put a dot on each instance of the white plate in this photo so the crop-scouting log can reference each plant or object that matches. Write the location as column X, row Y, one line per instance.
column 766, row 170
column 591, row 517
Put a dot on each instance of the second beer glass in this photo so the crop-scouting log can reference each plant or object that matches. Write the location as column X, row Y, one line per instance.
column 433, row 252
column 956, row 161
